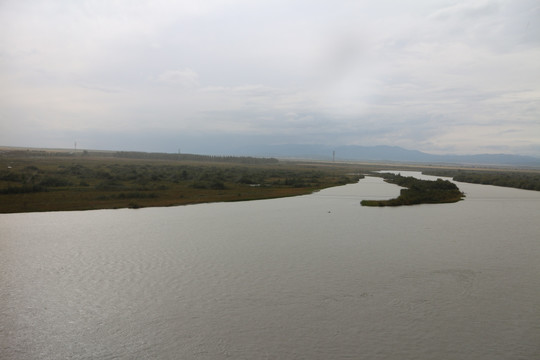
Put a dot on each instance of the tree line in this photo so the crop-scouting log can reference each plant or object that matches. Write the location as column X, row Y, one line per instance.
column 140, row 155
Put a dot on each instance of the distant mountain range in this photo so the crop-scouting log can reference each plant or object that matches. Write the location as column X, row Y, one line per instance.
column 382, row 153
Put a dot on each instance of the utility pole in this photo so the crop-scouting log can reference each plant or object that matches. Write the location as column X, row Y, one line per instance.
column 334, row 156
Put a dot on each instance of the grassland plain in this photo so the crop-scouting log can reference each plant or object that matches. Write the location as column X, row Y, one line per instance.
column 41, row 181
column 52, row 180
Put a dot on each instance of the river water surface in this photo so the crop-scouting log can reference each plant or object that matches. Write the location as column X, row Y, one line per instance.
column 309, row 277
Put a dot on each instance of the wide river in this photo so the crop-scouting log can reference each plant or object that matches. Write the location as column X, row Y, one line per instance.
column 308, row 277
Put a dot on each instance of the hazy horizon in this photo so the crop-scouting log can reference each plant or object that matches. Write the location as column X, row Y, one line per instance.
column 441, row 77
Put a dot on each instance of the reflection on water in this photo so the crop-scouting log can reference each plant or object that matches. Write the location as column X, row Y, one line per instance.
column 316, row 277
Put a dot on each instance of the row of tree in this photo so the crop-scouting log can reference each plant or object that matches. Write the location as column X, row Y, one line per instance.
column 140, row 155
column 194, row 157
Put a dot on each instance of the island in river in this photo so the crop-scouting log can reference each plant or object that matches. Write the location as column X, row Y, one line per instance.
column 418, row 191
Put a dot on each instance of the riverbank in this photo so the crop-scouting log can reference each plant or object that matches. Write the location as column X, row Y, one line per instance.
column 52, row 180
column 54, row 183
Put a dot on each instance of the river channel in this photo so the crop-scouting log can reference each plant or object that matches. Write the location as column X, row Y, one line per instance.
column 308, row 277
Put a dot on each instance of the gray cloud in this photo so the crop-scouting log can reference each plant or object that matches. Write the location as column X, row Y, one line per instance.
column 430, row 75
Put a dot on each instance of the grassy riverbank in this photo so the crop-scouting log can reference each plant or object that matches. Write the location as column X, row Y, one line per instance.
column 50, row 180
column 61, row 181
column 524, row 179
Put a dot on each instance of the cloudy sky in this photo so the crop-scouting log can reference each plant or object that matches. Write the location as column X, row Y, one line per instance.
column 204, row 76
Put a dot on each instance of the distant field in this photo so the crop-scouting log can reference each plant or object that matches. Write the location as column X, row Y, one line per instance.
column 520, row 179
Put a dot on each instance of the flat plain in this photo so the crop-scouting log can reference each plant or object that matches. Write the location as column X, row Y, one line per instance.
column 59, row 180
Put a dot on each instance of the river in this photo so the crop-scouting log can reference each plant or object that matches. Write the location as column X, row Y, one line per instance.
column 308, row 277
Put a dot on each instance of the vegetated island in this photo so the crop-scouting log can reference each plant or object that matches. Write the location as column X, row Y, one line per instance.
column 50, row 180
column 418, row 191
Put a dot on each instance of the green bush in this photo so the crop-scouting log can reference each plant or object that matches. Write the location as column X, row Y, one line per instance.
column 54, row 181
column 23, row 189
column 419, row 192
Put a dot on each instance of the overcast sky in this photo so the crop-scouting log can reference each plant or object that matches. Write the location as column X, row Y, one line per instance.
column 204, row 76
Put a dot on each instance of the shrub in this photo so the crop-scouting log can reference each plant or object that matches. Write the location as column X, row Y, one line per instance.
column 23, row 189
column 53, row 181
